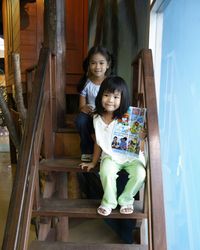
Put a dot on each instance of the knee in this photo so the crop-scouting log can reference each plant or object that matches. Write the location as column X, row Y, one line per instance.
column 82, row 120
column 107, row 168
column 139, row 174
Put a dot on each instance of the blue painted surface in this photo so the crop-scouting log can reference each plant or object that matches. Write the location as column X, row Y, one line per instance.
column 179, row 118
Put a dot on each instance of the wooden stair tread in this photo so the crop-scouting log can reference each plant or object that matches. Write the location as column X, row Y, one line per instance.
column 82, row 208
column 65, row 164
column 44, row 245
column 67, row 130
column 62, row 165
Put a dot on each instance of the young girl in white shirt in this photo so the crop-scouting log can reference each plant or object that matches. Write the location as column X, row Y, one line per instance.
column 112, row 102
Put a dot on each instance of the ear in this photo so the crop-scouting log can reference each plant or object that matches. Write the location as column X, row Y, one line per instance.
column 108, row 65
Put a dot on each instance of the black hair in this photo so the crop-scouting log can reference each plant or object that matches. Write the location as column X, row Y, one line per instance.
column 94, row 50
column 111, row 84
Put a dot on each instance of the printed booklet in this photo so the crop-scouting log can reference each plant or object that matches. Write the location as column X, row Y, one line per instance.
column 126, row 131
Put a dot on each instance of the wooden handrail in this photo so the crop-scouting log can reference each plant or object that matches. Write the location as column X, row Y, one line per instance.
column 144, row 94
column 19, row 213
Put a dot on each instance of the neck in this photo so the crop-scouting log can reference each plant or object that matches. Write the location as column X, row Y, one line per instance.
column 97, row 80
column 107, row 117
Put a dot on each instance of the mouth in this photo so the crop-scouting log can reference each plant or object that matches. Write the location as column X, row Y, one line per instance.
column 109, row 105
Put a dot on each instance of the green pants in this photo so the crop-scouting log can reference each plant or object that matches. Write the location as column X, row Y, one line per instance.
column 108, row 174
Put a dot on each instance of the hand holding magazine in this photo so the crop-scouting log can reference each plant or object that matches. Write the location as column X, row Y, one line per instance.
column 126, row 139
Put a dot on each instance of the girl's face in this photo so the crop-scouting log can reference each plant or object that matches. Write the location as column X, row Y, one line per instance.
column 98, row 65
column 111, row 101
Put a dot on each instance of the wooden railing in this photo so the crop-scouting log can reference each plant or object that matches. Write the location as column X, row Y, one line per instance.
column 20, row 208
column 144, row 95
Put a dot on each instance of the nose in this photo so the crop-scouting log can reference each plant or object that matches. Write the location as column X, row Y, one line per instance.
column 97, row 65
column 111, row 98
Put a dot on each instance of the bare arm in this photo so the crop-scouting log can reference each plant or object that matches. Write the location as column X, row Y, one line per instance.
column 96, row 156
column 83, row 106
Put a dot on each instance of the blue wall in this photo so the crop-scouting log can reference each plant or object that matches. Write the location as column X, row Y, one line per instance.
column 179, row 118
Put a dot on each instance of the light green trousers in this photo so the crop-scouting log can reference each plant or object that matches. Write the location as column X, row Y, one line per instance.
column 108, row 174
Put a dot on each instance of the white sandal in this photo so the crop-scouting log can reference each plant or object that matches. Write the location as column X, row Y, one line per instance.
column 127, row 209
column 105, row 211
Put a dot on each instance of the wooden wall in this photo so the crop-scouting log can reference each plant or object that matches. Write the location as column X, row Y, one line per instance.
column 76, row 41
column 31, row 34
column 23, row 33
column 11, row 28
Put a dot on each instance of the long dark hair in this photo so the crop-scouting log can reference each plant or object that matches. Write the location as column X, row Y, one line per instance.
column 94, row 50
column 111, row 84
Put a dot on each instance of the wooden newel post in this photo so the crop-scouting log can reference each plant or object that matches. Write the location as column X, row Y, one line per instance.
column 55, row 39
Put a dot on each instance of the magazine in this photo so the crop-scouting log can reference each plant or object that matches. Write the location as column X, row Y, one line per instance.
column 126, row 131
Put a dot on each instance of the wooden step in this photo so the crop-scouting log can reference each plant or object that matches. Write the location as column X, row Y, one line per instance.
column 67, row 143
column 70, row 120
column 82, row 208
column 43, row 245
column 69, row 164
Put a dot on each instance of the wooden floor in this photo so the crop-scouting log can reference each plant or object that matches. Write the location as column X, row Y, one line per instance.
column 81, row 230
column 5, row 182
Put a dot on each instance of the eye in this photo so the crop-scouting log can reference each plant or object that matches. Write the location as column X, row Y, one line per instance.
column 117, row 97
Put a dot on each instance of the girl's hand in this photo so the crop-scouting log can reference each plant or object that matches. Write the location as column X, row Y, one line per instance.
column 143, row 134
column 87, row 166
column 88, row 109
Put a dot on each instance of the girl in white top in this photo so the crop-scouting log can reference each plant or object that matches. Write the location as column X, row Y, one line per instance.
column 112, row 102
column 97, row 66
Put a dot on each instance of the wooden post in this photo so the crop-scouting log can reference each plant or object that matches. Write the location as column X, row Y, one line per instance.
column 18, row 88
column 54, row 38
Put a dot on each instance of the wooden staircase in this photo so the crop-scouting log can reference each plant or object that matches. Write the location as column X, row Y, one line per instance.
column 76, row 246
column 61, row 158
column 76, row 208
column 56, row 206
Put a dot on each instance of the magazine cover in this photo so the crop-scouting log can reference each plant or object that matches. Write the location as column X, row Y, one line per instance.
column 126, row 131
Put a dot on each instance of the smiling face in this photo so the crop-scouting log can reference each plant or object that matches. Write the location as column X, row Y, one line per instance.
column 111, row 101
column 98, row 66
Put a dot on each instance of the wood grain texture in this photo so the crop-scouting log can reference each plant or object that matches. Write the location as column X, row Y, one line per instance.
column 82, row 208
column 38, row 245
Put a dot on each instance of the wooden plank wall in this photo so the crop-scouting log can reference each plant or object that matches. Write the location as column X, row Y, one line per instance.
column 23, row 33
column 31, row 34
column 76, row 41
column 11, row 28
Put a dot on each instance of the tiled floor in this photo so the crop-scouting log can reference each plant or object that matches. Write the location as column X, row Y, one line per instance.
column 81, row 230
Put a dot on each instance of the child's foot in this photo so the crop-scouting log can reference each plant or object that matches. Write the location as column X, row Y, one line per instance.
column 86, row 157
column 105, row 211
column 126, row 209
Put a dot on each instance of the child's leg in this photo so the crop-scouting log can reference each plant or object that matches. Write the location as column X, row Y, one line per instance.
column 84, row 125
column 108, row 175
column 136, row 177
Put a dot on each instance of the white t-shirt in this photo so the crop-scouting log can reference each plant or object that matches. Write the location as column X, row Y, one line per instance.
column 90, row 91
column 103, row 133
